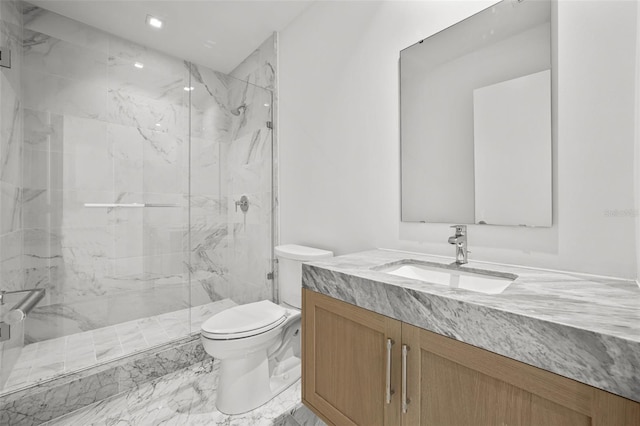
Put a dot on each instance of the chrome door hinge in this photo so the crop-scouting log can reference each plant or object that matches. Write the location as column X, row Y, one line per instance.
column 269, row 124
column 269, row 275
column 5, row 57
column 5, row 331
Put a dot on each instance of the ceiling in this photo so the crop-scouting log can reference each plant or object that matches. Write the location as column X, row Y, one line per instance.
column 215, row 33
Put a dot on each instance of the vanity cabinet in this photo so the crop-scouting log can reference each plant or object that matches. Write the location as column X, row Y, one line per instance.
column 354, row 360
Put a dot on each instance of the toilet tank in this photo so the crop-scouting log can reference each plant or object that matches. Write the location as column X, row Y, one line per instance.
column 290, row 258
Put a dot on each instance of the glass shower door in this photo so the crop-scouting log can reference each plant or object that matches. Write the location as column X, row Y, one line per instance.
column 11, row 185
column 231, row 193
column 102, row 193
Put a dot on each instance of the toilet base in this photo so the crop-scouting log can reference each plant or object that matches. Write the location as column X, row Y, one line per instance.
column 240, row 393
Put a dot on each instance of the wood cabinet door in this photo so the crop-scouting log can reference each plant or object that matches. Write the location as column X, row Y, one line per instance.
column 453, row 383
column 344, row 362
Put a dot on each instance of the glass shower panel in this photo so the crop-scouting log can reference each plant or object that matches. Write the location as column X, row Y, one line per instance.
column 106, row 139
column 231, row 158
column 11, row 185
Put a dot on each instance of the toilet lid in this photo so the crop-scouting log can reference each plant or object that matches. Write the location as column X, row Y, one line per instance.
column 244, row 320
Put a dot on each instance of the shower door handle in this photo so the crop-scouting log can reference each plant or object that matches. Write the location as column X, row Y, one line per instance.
column 127, row 205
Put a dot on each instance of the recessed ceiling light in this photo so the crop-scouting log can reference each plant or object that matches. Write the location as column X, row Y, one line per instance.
column 188, row 89
column 139, row 65
column 158, row 125
column 266, row 105
column 209, row 44
column 154, row 22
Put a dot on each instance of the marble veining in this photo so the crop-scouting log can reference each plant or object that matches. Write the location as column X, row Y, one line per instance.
column 583, row 327
column 97, row 129
column 49, row 359
column 54, row 398
column 186, row 397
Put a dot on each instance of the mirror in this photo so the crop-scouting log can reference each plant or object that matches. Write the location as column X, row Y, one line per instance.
column 475, row 117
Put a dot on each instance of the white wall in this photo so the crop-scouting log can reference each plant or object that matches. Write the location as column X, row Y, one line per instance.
column 339, row 158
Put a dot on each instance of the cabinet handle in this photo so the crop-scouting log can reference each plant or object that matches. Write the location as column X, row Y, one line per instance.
column 389, row 392
column 405, row 400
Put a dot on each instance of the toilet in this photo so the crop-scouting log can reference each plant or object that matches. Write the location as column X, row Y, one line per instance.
column 258, row 344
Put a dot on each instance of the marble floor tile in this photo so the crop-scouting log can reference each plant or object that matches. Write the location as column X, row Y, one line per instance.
column 19, row 376
column 186, row 397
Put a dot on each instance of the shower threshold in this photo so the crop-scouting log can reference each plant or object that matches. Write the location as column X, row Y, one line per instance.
column 49, row 359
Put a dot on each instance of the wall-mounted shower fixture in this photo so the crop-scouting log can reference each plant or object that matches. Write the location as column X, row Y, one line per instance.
column 240, row 110
column 5, row 57
column 243, row 203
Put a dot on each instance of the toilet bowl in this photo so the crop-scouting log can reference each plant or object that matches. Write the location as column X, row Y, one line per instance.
column 258, row 344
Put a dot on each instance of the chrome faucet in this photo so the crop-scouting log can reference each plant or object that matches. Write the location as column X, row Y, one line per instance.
column 460, row 241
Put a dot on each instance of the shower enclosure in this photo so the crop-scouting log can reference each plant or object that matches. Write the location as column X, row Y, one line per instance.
column 122, row 171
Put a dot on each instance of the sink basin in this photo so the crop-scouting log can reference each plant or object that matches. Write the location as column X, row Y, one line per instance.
column 453, row 276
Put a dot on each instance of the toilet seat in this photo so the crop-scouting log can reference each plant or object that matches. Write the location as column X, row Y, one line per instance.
column 243, row 321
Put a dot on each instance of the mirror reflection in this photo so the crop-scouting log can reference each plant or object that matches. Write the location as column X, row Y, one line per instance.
column 475, row 102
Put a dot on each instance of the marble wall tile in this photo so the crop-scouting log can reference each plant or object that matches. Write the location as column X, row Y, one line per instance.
column 74, row 97
column 10, row 132
column 11, row 12
column 258, row 213
column 51, row 321
column 10, row 208
column 113, row 307
column 41, row 251
column 43, row 130
column 259, row 67
column 207, row 212
column 162, row 78
column 209, row 248
column 249, row 162
column 132, row 109
column 88, row 246
column 257, row 111
column 75, row 215
column 128, row 239
column 63, row 28
column 42, row 170
column 205, row 167
column 211, row 89
column 11, row 269
column 249, row 250
column 165, row 163
column 133, row 305
column 212, row 123
column 128, row 271
column 11, row 37
column 88, row 156
column 50, row 55
column 127, row 147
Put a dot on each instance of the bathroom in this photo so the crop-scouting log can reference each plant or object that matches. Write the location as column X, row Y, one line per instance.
column 327, row 175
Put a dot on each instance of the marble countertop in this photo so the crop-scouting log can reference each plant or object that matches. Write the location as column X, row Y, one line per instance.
column 583, row 327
